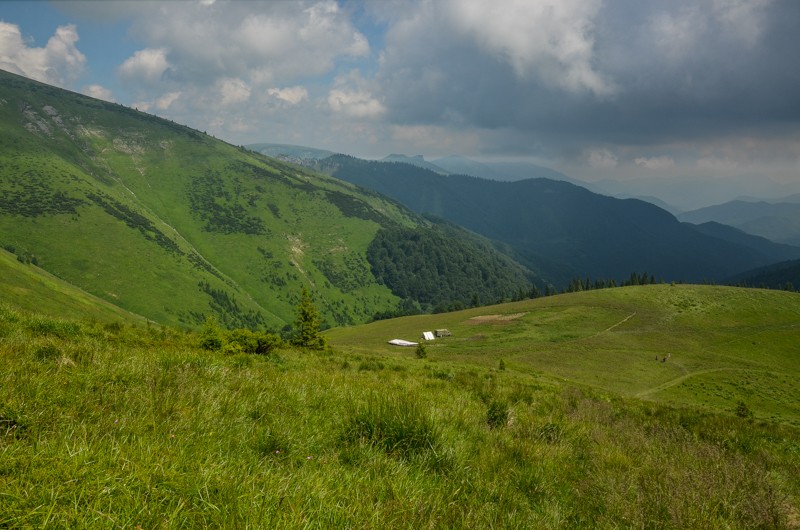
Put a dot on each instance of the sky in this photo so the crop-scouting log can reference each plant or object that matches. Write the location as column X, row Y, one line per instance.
column 661, row 92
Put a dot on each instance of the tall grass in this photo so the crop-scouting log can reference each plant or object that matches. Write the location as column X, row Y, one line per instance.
column 118, row 427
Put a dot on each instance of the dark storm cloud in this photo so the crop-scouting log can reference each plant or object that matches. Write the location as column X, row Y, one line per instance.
column 657, row 71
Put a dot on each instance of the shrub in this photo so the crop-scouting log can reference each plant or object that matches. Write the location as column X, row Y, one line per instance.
column 497, row 414
column 267, row 343
column 244, row 339
column 421, row 351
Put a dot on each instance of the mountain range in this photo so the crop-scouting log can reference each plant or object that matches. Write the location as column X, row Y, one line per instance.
column 561, row 230
column 777, row 221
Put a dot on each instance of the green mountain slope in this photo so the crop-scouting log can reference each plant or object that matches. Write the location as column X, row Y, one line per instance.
column 27, row 287
column 170, row 223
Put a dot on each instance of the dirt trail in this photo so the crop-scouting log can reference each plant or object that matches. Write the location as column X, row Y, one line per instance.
column 619, row 323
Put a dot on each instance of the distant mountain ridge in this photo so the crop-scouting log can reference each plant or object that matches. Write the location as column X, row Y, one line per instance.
column 417, row 160
column 556, row 228
column 775, row 252
column 777, row 221
column 506, row 171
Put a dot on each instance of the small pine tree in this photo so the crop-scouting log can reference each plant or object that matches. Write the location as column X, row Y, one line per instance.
column 307, row 324
column 422, row 352
column 211, row 335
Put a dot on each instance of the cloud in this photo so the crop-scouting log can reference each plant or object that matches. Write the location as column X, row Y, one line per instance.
column 291, row 95
column 99, row 92
column 162, row 103
column 656, row 162
column 434, row 140
column 233, row 91
column 676, row 34
column 146, row 66
column 352, row 97
column 355, row 103
column 260, row 42
column 166, row 101
column 745, row 18
column 551, row 41
column 57, row 63
column 602, row 158
column 635, row 75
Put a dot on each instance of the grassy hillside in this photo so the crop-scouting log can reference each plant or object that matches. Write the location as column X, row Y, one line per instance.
column 27, row 287
column 170, row 223
column 122, row 426
column 722, row 345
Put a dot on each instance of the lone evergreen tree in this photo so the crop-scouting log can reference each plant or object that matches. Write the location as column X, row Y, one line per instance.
column 307, row 324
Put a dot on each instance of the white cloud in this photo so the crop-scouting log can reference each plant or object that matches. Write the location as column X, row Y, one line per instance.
column 166, row 101
column 352, row 96
column 551, row 41
column 233, row 91
column 261, row 42
column 144, row 106
column 291, row 95
column 602, row 159
column 146, row 65
column 162, row 103
column 56, row 63
column 355, row 103
column 656, row 162
column 99, row 92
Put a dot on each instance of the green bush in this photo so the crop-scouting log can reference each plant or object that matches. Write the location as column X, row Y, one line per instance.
column 267, row 343
column 497, row 414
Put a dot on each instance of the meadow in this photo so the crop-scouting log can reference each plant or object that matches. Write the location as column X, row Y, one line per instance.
column 108, row 423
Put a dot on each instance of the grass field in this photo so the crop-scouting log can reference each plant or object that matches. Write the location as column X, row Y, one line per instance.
column 722, row 345
column 120, row 425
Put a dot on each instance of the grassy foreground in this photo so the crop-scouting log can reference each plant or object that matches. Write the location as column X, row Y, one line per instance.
column 121, row 426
